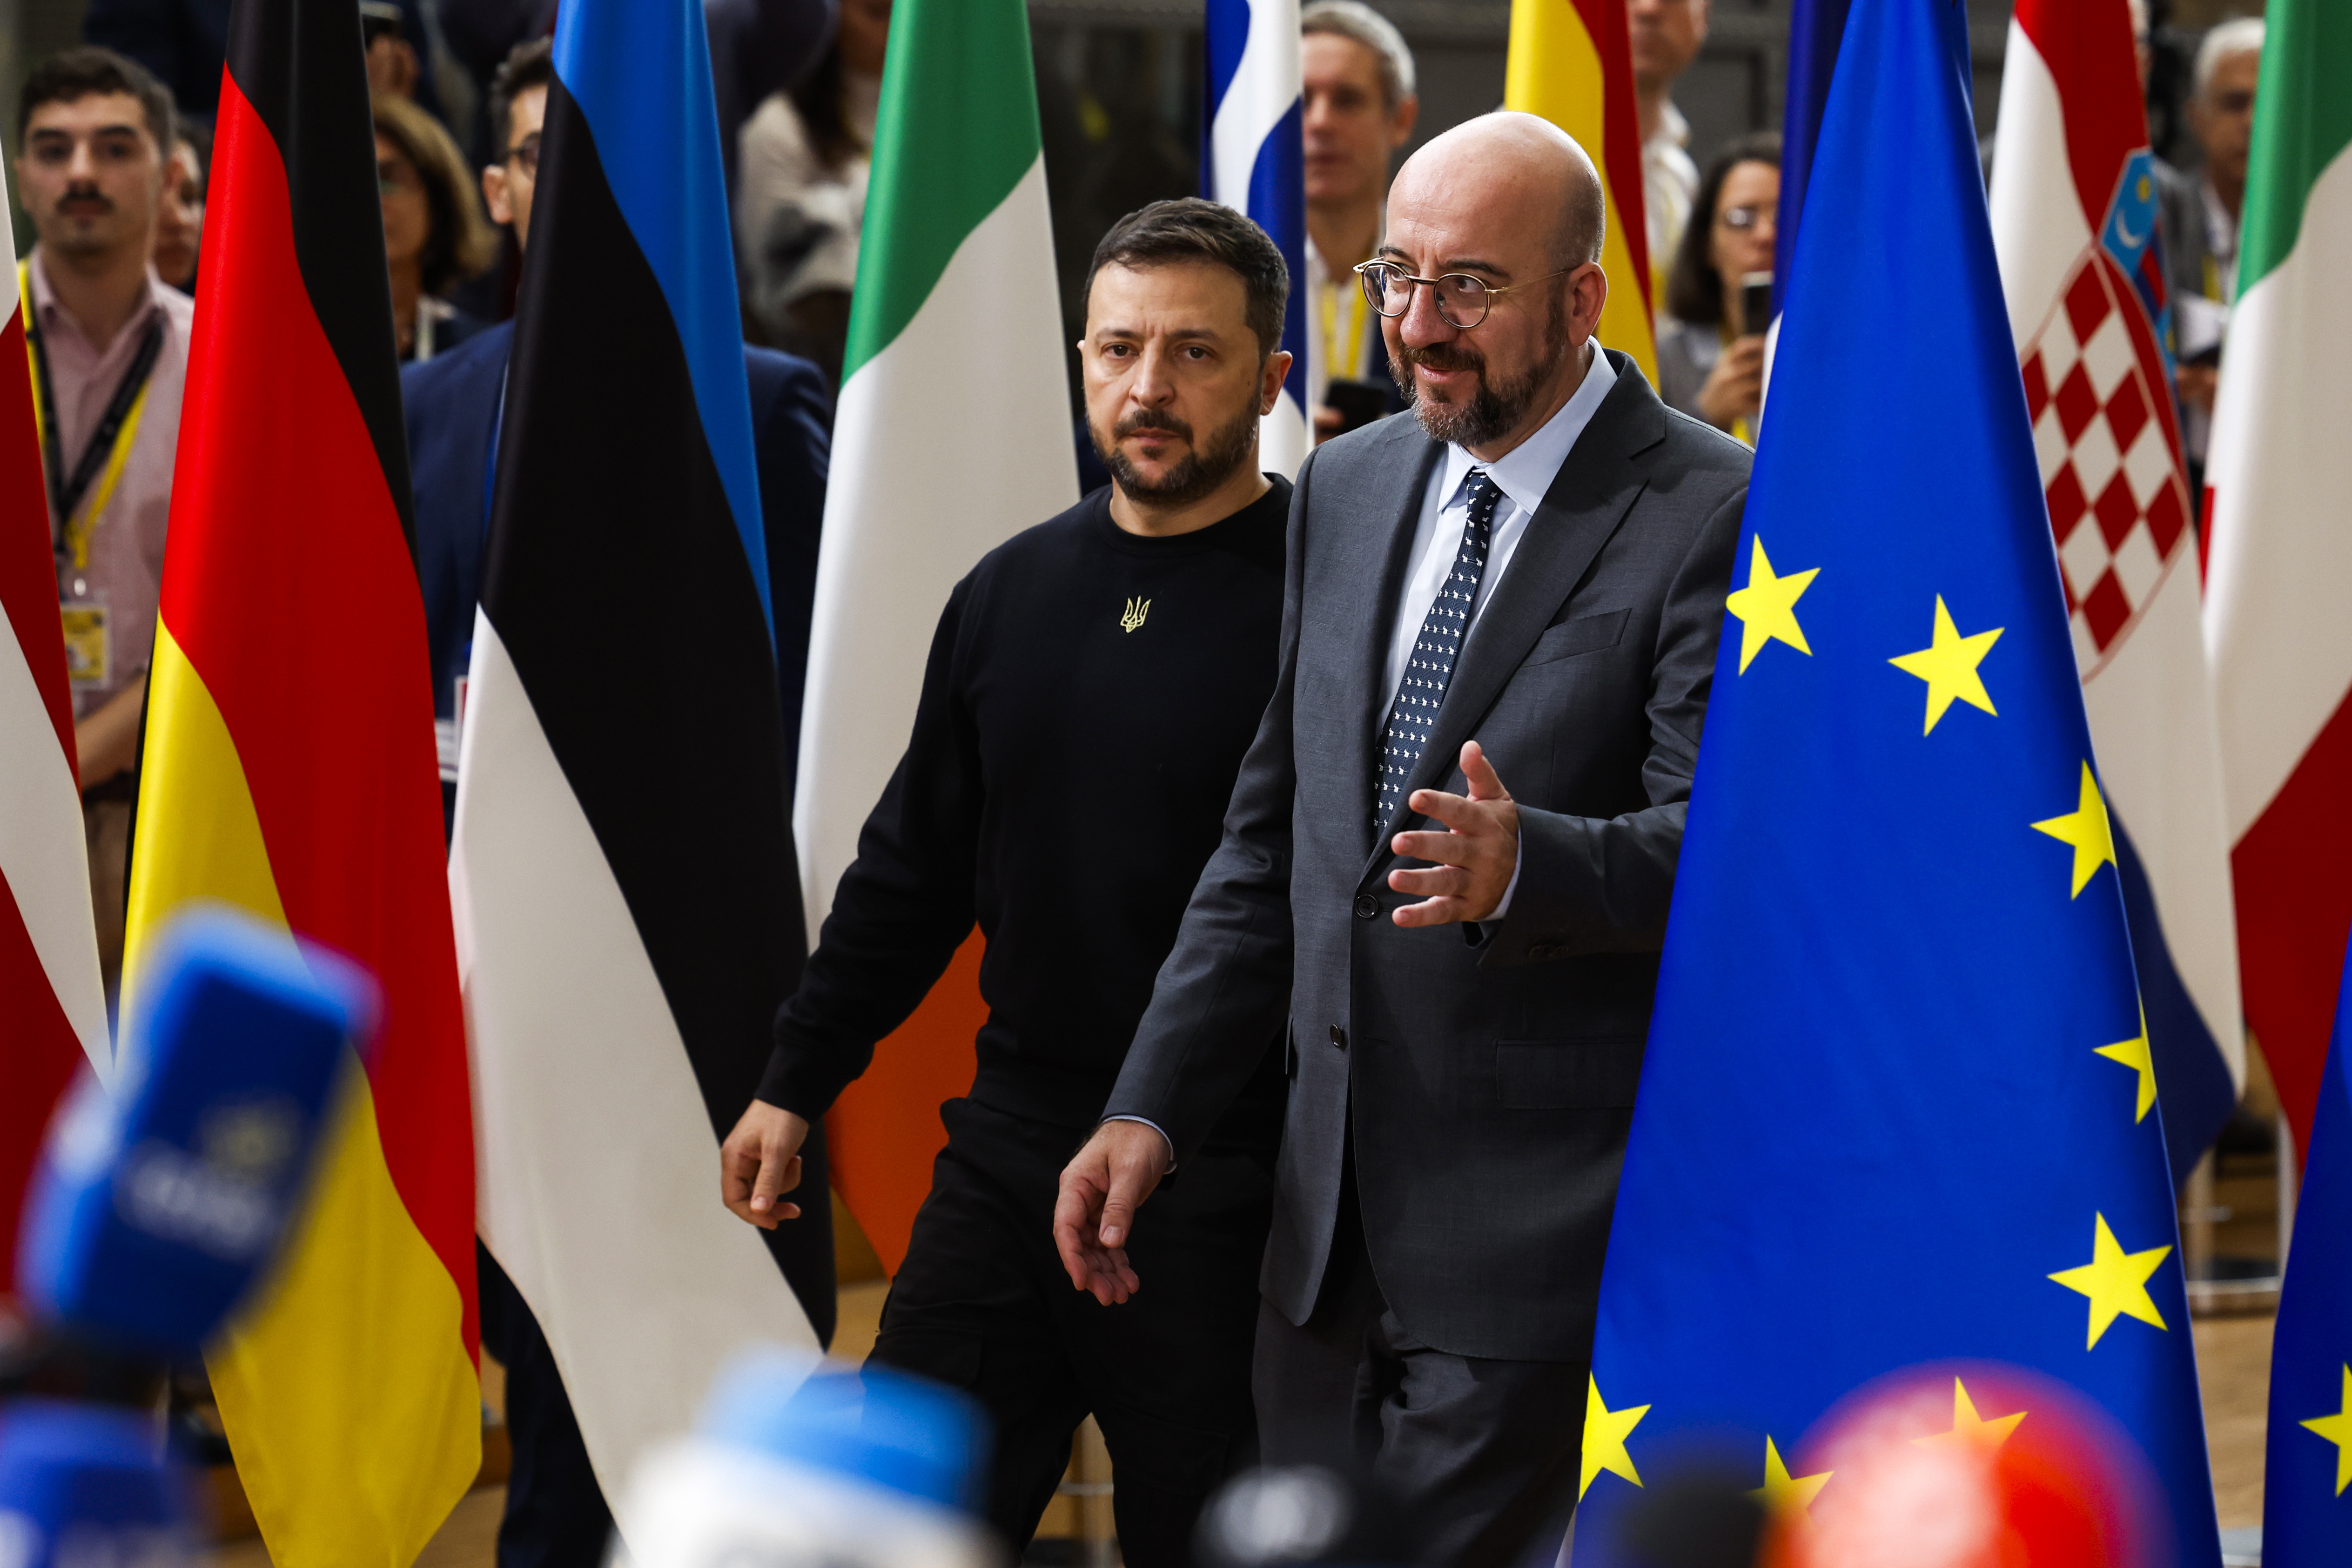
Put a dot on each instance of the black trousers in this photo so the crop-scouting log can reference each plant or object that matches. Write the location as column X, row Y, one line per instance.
column 1480, row 1455
column 556, row 1516
column 982, row 1303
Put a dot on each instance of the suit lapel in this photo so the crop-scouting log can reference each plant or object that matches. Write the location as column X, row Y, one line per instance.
column 1376, row 576
column 1588, row 500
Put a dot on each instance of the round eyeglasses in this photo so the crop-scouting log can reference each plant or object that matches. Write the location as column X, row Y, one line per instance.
column 1463, row 301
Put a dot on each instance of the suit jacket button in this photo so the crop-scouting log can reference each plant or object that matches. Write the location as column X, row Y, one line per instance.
column 1339, row 1037
column 1367, row 905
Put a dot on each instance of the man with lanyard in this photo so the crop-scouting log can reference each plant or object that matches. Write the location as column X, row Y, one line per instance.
column 1358, row 108
column 110, row 351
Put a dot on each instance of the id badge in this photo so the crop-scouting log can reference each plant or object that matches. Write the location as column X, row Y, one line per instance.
column 90, row 646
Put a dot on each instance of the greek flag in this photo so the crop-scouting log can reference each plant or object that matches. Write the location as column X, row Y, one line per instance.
column 1254, row 160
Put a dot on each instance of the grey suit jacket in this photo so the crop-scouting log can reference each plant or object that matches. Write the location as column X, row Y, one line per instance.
column 1490, row 1070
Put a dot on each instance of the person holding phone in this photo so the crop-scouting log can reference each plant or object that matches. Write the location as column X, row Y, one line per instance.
column 1358, row 107
column 1711, row 358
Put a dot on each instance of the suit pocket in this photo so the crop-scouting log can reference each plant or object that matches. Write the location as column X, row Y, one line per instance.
column 1598, row 1073
column 1582, row 635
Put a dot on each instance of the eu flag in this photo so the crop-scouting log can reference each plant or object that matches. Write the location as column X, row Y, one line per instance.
column 2306, row 1513
column 1896, row 1109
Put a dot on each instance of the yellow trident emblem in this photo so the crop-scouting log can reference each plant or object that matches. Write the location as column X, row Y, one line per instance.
column 1136, row 610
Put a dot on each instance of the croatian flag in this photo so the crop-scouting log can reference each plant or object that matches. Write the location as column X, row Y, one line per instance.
column 629, row 912
column 2073, row 209
column 1255, row 160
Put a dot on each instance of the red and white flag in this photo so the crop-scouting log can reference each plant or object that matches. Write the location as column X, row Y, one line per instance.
column 2074, row 221
column 52, row 1007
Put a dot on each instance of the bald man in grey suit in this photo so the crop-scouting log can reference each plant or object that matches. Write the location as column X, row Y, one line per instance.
column 1447, row 862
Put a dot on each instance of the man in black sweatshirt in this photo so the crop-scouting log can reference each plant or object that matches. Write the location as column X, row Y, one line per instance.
column 1093, row 682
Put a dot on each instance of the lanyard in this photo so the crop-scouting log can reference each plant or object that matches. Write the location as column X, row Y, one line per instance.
column 1339, row 300
column 102, row 461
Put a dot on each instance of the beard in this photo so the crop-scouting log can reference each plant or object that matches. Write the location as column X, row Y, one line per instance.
column 1196, row 475
column 1494, row 410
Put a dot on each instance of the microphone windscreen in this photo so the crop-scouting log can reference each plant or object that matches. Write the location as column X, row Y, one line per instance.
column 158, row 1205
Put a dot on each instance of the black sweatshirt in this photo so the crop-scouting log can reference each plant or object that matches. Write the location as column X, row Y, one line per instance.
column 1090, row 695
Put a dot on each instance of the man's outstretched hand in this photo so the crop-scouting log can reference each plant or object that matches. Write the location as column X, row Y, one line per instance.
column 1101, row 1189
column 760, row 1161
column 1475, row 859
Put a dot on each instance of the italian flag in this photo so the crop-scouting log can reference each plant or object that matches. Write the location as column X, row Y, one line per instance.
column 953, row 433
column 2281, row 554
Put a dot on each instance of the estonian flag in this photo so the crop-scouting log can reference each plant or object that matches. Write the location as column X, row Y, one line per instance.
column 622, row 865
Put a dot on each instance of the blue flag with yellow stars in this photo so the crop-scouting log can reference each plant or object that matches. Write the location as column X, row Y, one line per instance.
column 2306, row 1515
column 1897, row 1107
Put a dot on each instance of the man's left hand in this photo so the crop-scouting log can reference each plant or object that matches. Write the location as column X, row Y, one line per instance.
column 1476, row 858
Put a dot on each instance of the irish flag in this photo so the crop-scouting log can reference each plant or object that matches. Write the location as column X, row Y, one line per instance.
column 290, row 771
column 953, row 435
column 1572, row 61
column 2277, row 477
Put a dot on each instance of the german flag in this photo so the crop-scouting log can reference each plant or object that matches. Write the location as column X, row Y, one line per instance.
column 289, row 770
column 1572, row 61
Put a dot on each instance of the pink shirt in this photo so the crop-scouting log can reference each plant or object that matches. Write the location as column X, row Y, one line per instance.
column 126, row 541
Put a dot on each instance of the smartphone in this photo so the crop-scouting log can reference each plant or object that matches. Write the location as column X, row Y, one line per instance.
column 378, row 20
column 1755, row 303
column 1358, row 401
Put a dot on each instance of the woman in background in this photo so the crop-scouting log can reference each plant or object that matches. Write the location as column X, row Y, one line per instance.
column 800, row 198
column 180, row 215
column 435, row 236
column 1710, row 358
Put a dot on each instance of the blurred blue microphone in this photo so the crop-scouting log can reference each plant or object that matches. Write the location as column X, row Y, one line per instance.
column 156, row 1210
column 158, row 1207
column 86, row 1485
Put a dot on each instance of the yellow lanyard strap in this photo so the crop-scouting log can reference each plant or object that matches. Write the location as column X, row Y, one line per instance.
column 1348, row 365
column 85, row 517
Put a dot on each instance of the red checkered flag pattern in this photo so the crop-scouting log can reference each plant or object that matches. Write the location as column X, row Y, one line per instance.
column 2110, row 454
column 2074, row 199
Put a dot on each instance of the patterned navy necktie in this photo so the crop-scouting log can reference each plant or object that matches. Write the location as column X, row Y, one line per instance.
column 1421, row 692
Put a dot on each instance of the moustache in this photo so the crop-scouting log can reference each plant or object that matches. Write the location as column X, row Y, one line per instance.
column 1442, row 356
column 85, row 195
column 1136, row 423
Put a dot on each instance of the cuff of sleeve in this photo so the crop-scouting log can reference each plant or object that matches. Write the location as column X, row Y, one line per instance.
column 1518, row 864
column 1147, row 1122
column 787, row 1089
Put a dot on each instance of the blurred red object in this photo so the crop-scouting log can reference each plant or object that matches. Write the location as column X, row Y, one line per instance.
column 1973, row 1465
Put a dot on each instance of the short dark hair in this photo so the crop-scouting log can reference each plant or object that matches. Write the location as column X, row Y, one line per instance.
column 1189, row 229
column 85, row 71
column 528, row 64
column 1694, row 289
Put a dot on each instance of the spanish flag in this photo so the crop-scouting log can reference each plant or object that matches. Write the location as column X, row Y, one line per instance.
column 1572, row 61
column 289, row 770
